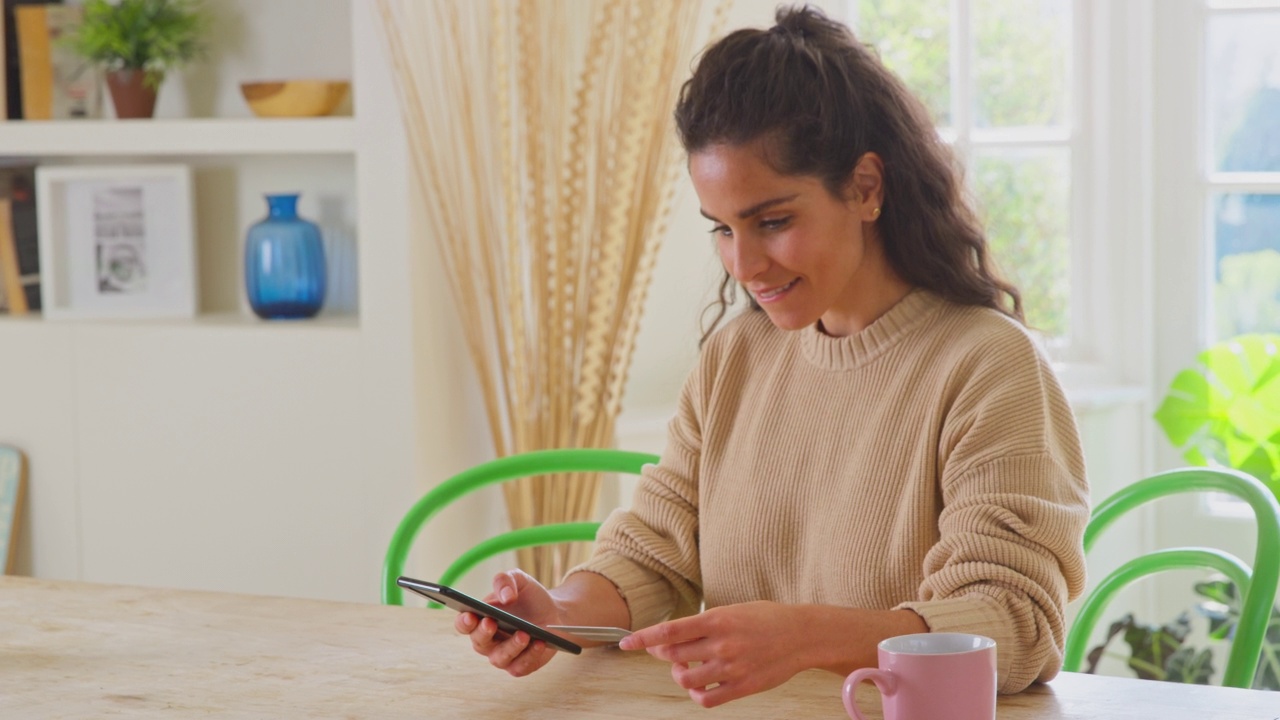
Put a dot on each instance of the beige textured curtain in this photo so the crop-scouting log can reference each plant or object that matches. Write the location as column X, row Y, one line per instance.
column 541, row 132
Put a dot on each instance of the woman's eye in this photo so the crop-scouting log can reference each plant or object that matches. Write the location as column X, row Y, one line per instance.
column 775, row 223
column 722, row 230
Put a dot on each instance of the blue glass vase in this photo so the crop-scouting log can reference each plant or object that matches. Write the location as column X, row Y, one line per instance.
column 284, row 265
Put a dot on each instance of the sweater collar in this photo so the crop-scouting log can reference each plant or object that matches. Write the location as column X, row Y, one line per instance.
column 847, row 353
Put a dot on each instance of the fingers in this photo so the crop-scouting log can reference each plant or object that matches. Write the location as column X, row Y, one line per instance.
column 707, row 685
column 719, row 695
column 504, row 589
column 483, row 634
column 507, row 586
column 667, row 633
column 684, row 653
column 695, row 677
column 517, row 654
column 465, row 622
column 503, row 653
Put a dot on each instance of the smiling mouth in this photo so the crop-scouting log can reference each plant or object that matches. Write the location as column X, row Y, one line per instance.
column 777, row 292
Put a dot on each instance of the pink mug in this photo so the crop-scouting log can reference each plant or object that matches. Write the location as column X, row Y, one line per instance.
column 930, row 676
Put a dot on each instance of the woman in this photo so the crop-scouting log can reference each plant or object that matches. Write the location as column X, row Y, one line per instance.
column 876, row 447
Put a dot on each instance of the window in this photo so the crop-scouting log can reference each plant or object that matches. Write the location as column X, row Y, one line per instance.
column 1241, row 177
column 998, row 78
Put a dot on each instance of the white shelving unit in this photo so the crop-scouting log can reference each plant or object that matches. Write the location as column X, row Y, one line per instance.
column 225, row 452
column 163, row 138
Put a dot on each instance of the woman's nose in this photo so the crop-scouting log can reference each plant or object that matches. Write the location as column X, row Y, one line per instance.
column 743, row 259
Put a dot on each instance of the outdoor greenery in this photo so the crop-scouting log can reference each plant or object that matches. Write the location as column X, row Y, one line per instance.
column 914, row 40
column 1019, row 77
column 153, row 36
column 1247, row 296
column 1025, row 197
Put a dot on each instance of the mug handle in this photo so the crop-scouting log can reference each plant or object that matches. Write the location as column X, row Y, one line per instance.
column 884, row 680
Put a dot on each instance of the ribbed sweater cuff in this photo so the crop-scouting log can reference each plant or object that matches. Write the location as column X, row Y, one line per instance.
column 974, row 614
column 648, row 595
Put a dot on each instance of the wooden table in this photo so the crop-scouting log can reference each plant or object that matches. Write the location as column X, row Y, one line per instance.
column 83, row 650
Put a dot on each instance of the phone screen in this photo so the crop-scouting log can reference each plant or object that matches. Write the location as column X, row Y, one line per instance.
column 507, row 623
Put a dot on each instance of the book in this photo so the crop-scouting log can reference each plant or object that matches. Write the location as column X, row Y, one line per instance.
column 19, row 239
column 12, row 80
column 10, row 276
column 57, row 84
column 4, row 85
column 4, row 241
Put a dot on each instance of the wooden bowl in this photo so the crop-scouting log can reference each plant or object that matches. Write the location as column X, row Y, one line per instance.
column 294, row 98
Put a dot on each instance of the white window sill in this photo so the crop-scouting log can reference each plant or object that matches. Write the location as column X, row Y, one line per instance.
column 1092, row 397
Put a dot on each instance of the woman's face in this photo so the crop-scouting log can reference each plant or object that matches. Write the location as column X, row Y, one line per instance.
column 803, row 254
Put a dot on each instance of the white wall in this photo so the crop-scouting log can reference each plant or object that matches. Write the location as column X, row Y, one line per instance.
column 265, row 460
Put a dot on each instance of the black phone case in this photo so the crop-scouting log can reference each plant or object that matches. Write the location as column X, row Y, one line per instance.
column 507, row 623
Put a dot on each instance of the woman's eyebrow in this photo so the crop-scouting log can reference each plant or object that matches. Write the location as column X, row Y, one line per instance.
column 754, row 209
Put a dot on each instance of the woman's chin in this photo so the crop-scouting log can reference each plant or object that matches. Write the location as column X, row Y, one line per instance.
column 789, row 320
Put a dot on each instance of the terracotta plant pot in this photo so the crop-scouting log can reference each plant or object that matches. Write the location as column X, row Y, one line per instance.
column 130, row 94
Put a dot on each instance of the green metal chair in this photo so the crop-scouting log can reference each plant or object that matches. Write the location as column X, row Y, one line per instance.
column 501, row 470
column 1257, row 587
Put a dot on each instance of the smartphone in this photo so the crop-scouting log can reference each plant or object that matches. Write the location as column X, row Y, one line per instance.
column 507, row 623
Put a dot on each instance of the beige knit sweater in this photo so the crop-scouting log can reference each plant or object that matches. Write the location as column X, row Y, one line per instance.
column 929, row 462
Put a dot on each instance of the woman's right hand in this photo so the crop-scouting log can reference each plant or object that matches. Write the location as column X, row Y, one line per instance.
column 518, row 593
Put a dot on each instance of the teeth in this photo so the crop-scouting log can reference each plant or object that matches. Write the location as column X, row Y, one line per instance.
column 779, row 291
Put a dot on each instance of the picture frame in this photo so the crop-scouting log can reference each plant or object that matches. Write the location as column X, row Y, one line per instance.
column 116, row 241
column 13, row 477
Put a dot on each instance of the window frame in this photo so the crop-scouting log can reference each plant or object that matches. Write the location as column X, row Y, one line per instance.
column 1212, row 181
column 1108, row 112
column 1186, row 183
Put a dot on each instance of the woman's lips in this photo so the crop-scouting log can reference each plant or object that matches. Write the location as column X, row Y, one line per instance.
column 775, row 294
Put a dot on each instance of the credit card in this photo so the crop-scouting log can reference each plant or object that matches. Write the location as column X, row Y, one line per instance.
column 592, row 632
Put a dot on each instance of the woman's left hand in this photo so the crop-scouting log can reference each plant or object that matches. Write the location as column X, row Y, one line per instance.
column 728, row 652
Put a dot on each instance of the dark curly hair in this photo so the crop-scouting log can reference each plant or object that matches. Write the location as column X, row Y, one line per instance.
column 819, row 99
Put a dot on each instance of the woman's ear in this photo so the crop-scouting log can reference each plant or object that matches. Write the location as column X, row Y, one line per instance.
column 867, row 183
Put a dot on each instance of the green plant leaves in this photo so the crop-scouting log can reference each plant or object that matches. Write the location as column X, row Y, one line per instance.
column 1188, row 407
column 1188, row 666
column 1222, row 608
column 150, row 35
column 1226, row 409
column 1157, row 653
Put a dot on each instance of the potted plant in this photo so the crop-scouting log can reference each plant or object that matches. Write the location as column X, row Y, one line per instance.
column 1224, row 410
column 137, row 42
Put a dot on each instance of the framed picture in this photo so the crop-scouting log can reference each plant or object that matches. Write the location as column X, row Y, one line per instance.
column 13, row 478
column 116, row 241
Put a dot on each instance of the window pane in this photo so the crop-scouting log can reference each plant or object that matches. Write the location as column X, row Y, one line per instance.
column 1246, row 230
column 1021, row 61
column 913, row 38
column 1024, row 199
column 1243, row 86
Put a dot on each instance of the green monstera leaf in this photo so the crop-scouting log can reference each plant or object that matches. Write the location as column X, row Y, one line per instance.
column 1226, row 409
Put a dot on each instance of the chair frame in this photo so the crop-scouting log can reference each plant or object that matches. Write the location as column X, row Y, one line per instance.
column 541, row 462
column 1257, row 586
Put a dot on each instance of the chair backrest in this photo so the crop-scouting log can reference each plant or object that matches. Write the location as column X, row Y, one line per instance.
column 1257, row 587
column 497, row 471
column 13, row 469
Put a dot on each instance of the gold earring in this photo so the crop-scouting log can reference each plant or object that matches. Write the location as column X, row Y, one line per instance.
column 875, row 214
